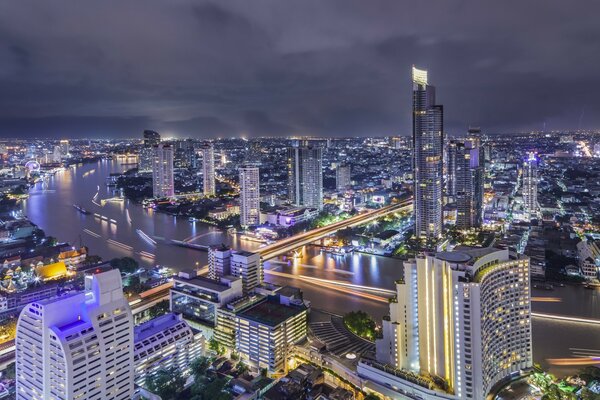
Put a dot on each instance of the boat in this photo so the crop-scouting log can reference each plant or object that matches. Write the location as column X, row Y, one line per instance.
column 81, row 209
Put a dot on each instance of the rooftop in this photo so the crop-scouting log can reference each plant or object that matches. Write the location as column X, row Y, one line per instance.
column 206, row 283
column 271, row 313
column 156, row 325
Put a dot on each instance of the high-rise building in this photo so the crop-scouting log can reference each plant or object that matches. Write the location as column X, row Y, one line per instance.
column 165, row 342
column 185, row 154
column 428, row 141
column 64, row 148
column 247, row 266
column 262, row 329
column 305, row 176
column 530, row 185
column 162, row 171
column 151, row 139
column 342, row 177
column 465, row 180
column 77, row 346
column 463, row 317
column 208, row 169
column 249, row 195
column 219, row 261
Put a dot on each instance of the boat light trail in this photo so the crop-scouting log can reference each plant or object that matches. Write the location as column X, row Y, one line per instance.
column 120, row 245
column 146, row 238
column 566, row 319
column 91, row 233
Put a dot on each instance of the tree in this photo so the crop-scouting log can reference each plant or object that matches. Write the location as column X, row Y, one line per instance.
column 360, row 323
column 241, row 368
column 215, row 346
column 199, row 367
column 125, row 264
column 371, row 396
column 159, row 309
column 166, row 383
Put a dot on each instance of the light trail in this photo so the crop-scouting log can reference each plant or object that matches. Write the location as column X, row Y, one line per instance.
column 566, row 319
column 119, row 244
column 146, row 254
column 581, row 361
column 195, row 237
column 146, row 238
column 127, row 216
column 91, row 233
column 98, row 204
column 337, row 285
column 547, row 299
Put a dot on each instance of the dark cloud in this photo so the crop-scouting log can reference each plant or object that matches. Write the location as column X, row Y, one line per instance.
column 272, row 67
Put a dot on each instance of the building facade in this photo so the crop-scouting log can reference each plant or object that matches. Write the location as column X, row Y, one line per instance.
column 151, row 139
column 428, row 141
column 248, row 267
column 530, row 185
column 249, row 195
column 208, row 169
column 342, row 177
column 164, row 342
column 465, row 181
column 219, row 261
column 463, row 317
column 305, row 176
column 162, row 172
column 77, row 346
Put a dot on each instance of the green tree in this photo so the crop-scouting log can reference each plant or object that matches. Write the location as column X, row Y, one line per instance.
column 160, row 308
column 215, row 346
column 166, row 383
column 360, row 323
column 241, row 368
column 125, row 264
column 199, row 367
column 371, row 396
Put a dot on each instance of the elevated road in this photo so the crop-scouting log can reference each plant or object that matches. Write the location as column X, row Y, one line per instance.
column 286, row 245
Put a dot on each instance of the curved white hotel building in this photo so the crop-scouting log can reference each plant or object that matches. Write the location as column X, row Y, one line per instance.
column 459, row 325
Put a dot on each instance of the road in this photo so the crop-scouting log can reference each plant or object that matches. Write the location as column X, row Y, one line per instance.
column 284, row 246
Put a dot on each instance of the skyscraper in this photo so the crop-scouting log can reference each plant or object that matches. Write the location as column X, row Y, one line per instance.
column 249, row 195
column 78, row 346
column 465, row 180
column 305, row 176
column 428, row 140
column 151, row 139
column 530, row 185
column 462, row 316
column 342, row 177
column 162, row 171
column 208, row 168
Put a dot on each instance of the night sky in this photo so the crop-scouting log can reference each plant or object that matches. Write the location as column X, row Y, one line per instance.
column 276, row 68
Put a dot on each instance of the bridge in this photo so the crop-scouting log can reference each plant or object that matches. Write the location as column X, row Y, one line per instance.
column 286, row 245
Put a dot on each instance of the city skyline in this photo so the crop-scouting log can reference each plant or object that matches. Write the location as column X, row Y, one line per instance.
column 278, row 71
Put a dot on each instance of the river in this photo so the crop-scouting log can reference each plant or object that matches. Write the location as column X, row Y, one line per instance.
column 50, row 206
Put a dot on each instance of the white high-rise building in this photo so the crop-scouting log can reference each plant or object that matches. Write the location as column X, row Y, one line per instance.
column 462, row 316
column 78, row 346
column 162, row 171
column 247, row 266
column 530, row 184
column 208, row 169
column 219, row 261
column 249, row 196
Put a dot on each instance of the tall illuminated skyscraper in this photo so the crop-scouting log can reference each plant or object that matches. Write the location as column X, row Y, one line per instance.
column 428, row 141
column 78, row 346
column 465, row 179
column 249, row 195
column 530, row 185
column 208, row 169
column 305, row 176
column 162, row 171
column 151, row 139
column 462, row 316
